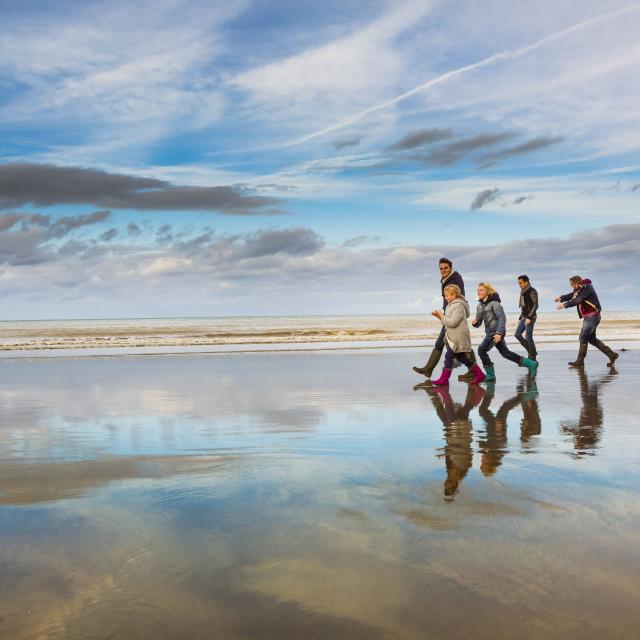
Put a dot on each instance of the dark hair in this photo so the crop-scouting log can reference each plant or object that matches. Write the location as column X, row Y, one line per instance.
column 445, row 261
column 575, row 280
column 523, row 277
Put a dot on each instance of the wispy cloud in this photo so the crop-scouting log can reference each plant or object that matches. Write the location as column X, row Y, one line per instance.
column 453, row 152
column 535, row 144
column 502, row 56
column 420, row 138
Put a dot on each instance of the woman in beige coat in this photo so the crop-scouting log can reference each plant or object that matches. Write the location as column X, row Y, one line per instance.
column 457, row 336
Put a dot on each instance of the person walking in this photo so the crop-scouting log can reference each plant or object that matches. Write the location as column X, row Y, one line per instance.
column 585, row 299
column 490, row 312
column 457, row 337
column 447, row 276
column 528, row 314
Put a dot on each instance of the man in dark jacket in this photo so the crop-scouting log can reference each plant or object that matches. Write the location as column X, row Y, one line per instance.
column 585, row 299
column 528, row 314
column 447, row 276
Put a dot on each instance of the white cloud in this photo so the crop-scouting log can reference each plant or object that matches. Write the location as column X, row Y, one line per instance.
column 318, row 83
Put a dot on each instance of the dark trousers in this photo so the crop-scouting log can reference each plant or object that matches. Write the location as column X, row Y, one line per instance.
column 440, row 340
column 527, row 329
column 466, row 359
column 588, row 331
column 487, row 344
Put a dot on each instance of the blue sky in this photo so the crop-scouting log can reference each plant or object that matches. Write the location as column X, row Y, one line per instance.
column 191, row 158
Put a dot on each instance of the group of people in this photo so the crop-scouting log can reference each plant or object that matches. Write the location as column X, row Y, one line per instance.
column 455, row 337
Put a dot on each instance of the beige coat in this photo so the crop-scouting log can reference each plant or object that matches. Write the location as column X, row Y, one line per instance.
column 457, row 329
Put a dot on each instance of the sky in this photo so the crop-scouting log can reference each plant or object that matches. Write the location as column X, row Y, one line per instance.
column 276, row 157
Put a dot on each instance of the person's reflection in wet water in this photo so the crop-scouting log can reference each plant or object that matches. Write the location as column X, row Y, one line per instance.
column 493, row 446
column 458, row 433
column 587, row 430
column 531, row 424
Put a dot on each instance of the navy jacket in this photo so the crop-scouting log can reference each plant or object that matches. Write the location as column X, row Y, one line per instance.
column 453, row 278
column 584, row 298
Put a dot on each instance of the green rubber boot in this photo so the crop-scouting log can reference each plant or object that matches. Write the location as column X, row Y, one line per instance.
column 490, row 370
column 532, row 365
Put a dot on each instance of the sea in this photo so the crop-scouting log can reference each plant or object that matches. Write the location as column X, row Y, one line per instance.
column 123, row 336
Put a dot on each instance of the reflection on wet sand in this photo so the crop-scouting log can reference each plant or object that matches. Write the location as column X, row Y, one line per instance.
column 299, row 497
column 493, row 439
column 586, row 431
column 458, row 432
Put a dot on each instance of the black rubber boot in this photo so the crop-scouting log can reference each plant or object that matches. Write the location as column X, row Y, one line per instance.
column 582, row 352
column 428, row 368
column 608, row 351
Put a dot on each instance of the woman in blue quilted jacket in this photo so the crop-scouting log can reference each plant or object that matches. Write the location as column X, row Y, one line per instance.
column 490, row 312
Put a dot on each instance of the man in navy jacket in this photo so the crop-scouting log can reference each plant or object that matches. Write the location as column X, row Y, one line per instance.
column 447, row 276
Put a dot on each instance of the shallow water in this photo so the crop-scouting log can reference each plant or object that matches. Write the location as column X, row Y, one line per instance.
column 317, row 495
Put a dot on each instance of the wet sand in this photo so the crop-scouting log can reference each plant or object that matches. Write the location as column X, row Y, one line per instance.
column 317, row 495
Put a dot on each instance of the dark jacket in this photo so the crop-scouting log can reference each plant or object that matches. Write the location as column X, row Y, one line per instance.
column 490, row 312
column 584, row 298
column 453, row 278
column 528, row 303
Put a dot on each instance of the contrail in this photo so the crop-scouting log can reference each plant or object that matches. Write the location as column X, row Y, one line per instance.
column 496, row 57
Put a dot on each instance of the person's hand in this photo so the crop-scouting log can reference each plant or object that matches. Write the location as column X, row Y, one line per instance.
column 557, row 299
column 474, row 323
column 437, row 313
column 497, row 338
column 527, row 321
column 560, row 306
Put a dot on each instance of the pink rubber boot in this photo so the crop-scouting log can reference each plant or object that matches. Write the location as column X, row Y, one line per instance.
column 443, row 379
column 478, row 374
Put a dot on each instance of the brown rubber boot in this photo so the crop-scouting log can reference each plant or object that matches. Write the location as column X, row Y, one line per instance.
column 428, row 368
column 608, row 351
column 582, row 352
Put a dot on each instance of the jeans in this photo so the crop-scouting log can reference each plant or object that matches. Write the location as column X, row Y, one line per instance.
column 588, row 331
column 527, row 329
column 466, row 359
column 487, row 344
column 440, row 340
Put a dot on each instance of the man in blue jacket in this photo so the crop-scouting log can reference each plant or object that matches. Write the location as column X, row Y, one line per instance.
column 585, row 299
column 447, row 276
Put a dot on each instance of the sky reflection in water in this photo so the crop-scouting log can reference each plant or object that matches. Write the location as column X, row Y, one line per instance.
column 316, row 495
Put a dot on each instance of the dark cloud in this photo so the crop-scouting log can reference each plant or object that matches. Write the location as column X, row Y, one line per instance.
column 48, row 185
column 453, row 152
column 109, row 235
column 421, row 137
column 299, row 241
column 521, row 199
column 526, row 147
column 484, row 197
column 164, row 234
column 358, row 240
column 635, row 187
column 62, row 226
column 345, row 143
column 133, row 229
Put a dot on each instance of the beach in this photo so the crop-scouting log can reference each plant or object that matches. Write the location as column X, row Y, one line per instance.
column 317, row 494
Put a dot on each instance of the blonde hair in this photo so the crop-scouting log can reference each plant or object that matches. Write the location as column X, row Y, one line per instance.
column 455, row 289
column 488, row 288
